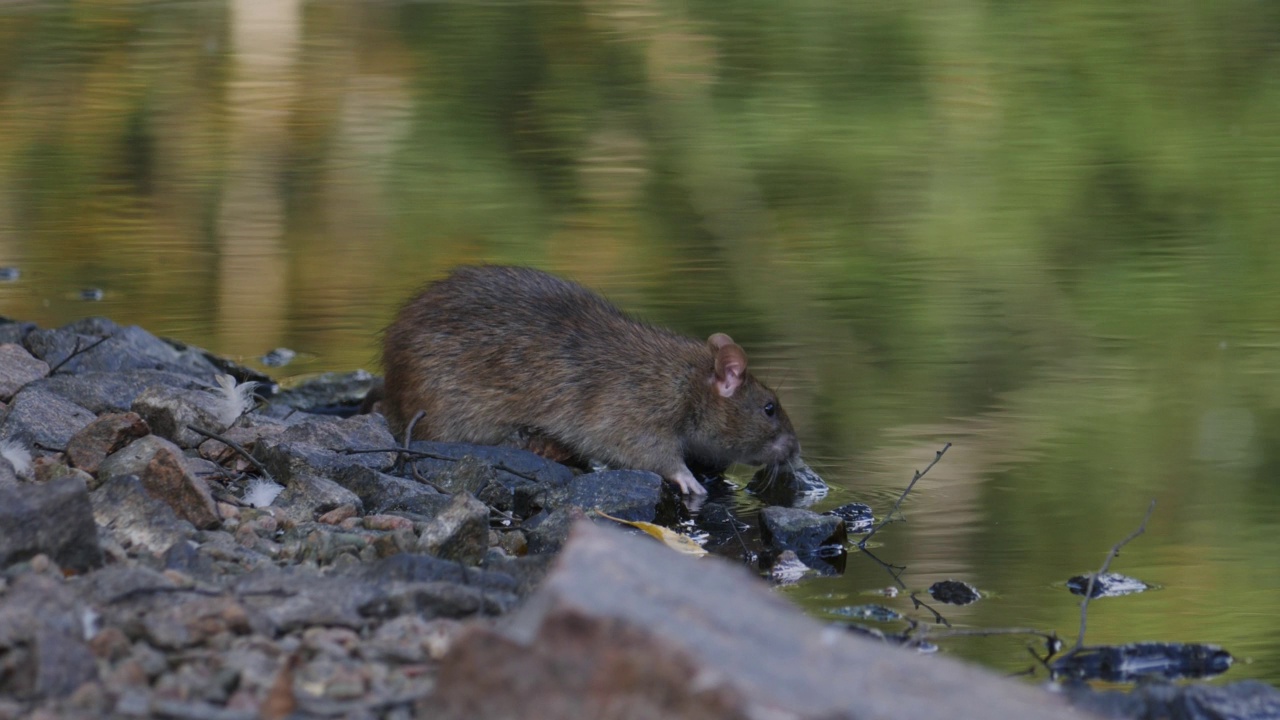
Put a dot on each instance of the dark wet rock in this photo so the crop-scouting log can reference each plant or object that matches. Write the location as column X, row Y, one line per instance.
column 794, row 486
column 329, row 390
column 460, row 532
column 547, row 532
column 521, row 477
column 43, row 418
column 621, row 629
column 382, row 493
column 1107, row 585
column 1245, row 700
column 53, row 518
column 170, row 411
column 17, row 368
column 624, row 494
column 88, row 448
column 278, row 357
column 42, row 645
column 128, row 513
column 804, row 532
column 115, row 391
column 954, row 592
column 1136, row 661
column 857, row 517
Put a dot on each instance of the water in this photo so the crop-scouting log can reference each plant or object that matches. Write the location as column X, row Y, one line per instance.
column 1047, row 240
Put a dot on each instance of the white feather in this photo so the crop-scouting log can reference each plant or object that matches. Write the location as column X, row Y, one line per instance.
column 234, row 400
column 261, row 492
column 18, row 456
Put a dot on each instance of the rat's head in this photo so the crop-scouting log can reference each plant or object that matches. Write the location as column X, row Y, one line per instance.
column 743, row 421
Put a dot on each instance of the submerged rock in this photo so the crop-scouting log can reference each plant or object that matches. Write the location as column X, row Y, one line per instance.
column 954, row 592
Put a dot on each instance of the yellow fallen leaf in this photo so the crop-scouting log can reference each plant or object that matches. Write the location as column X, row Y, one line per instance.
column 667, row 536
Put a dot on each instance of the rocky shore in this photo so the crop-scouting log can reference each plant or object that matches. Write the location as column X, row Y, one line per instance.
column 171, row 547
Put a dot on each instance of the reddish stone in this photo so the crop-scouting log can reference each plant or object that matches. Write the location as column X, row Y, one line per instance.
column 166, row 479
column 92, row 444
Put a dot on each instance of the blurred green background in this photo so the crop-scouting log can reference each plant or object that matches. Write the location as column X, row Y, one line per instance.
column 1044, row 231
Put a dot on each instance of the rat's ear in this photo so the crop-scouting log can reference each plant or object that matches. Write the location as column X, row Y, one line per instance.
column 731, row 364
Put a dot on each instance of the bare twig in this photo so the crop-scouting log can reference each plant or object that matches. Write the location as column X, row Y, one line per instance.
column 408, row 438
column 436, row 456
column 78, row 351
column 234, row 446
column 1088, row 591
column 895, row 571
column 937, row 616
column 862, row 544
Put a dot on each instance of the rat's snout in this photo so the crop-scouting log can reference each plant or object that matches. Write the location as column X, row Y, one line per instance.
column 785, row 447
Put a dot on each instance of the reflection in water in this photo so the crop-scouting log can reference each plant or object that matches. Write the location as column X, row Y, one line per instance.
column 252, row 267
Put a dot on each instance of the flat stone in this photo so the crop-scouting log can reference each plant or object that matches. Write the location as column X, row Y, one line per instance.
column 43, row 418
column 17, row 368
column 169, row 411
column 104, row 392
column 626, row 494
column 88, row 448
column 624, row 627
column 460, row 532
column 133, row 459
column 124, row 509
column 53, row 518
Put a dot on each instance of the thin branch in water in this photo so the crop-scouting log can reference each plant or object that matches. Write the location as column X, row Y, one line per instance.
column 78, row 351
column 1106, row 564
column 894, row 571
column 937, row 616
column 234, row 446
column 862, row 544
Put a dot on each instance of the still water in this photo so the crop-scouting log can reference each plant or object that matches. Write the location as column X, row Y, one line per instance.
column 1044, row 233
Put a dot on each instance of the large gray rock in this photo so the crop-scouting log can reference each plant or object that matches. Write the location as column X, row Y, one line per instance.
column 17, row 368
column 43, row 418
column 115, row 391
column 624, row 627
column 53, row 518
column 129, row 348
column 170, row 412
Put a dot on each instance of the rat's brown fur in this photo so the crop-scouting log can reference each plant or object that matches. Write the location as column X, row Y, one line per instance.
column 491, row 352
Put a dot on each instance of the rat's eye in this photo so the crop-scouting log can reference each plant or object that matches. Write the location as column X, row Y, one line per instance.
column 770, row 409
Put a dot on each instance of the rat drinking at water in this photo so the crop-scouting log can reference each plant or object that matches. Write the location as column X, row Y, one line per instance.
column 491, row 353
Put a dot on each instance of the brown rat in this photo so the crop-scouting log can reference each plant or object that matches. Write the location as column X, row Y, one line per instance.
column 489, row 353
